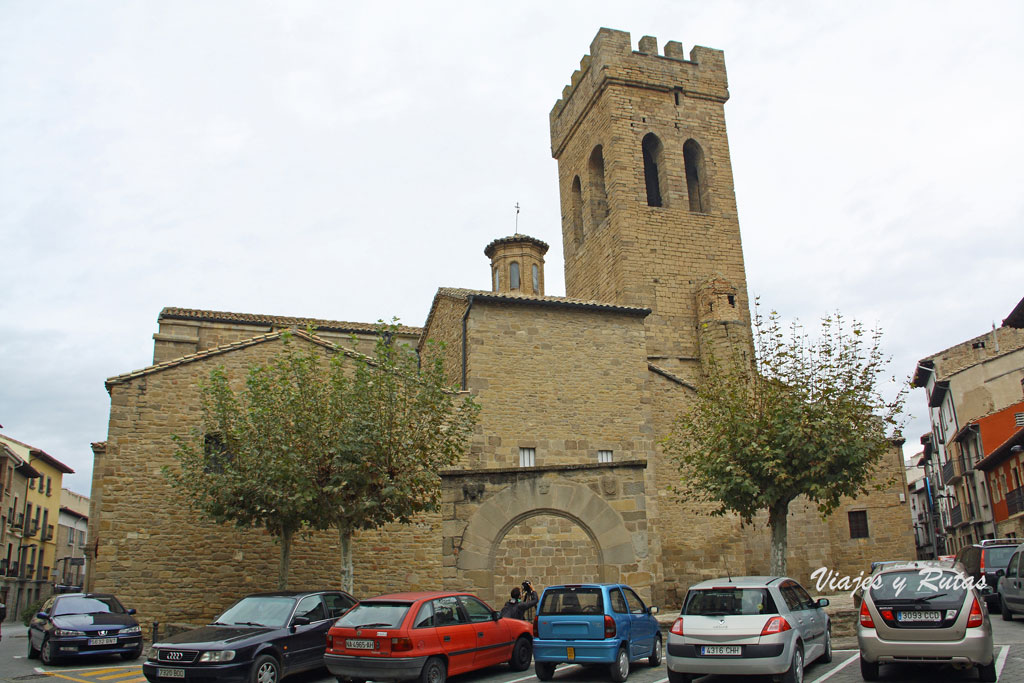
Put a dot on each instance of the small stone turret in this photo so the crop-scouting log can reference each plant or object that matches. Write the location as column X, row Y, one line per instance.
column 517, row 264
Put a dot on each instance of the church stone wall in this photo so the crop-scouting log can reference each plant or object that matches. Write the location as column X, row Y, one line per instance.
column 161, row 558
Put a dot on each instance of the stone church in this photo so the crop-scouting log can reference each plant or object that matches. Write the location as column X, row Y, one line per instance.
column 564, row 480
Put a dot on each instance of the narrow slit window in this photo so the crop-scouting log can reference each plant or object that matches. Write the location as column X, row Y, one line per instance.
column 497, row 279
column 696, row 180
column 598, row 194
column 536, row 279
column 576, row 210
column 652, row 150
column 513, row 275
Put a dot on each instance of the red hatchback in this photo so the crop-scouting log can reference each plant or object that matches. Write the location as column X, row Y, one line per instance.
column 426, row 636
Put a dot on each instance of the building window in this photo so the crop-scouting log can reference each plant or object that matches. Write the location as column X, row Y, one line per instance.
column 696, row 181
column 858, row 523
column 49, row 485
column 604, row 456
column 81, row 537
column 497, row 279
column 576, row 210
column 598, row 194
column 71, row 536
column 32, row 483
column 652, row 150
column 513, row 275
column 536, row 279
column 527, row 457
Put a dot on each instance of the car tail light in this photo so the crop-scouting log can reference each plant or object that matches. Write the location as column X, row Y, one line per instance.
column 775, row 625
column 982, row 562
column 677, row 628
column 609, row 627
column 401, row 644
column 535, row 631
column 975, row 618
column 330, row 642
column 887, row 615
column 865, row 616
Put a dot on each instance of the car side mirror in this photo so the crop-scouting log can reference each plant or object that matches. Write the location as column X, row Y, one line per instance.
column 131, row 611
column 42, row 615
column 653, row 610
column 822, row 602
column 495, row 615
column 300, row 621
column 1000, row 573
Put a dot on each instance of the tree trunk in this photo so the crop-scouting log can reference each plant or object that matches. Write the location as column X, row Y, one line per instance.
column 286, row 556
column 345, row 537
column 777, row 521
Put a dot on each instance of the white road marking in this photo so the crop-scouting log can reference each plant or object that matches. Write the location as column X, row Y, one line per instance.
column 836, row 670
column 1001, row 660
column 531, row 677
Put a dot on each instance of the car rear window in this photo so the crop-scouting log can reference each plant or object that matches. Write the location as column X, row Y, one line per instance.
column 998, row 558
column 375, row 614
column 729, row 602
column 919, row 586
column 572, row 600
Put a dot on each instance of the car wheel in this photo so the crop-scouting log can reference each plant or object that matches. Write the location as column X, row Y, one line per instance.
column 827, row 656
column 1007, row 614
column 655, row 658
column 619, row 669
column 265, row 670
column 868, row 670
column 676, row 677
column 544, row 670
column 32, row 652
column 46, row 652
column 987, row 673
column 522, row 654
column 434, row 671
column 796, row 668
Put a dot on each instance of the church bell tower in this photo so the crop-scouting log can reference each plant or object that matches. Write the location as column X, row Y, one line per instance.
column 648, row 207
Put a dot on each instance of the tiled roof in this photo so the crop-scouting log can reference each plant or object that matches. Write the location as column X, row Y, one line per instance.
column 216, row 351
column 540, row 300
column 28, row 452
column 515, row 239
column 172, row 313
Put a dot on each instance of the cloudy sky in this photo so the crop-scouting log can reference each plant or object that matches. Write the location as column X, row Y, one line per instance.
column 342, row 160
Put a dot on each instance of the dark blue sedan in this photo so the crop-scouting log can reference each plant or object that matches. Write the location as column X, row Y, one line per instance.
column 80, row 624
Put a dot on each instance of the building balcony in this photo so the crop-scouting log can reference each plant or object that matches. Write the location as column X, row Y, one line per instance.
column 1015, row 501
column 956, row 516
column 947, row 472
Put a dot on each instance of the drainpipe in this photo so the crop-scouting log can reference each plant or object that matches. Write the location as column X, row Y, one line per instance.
column 465, row 317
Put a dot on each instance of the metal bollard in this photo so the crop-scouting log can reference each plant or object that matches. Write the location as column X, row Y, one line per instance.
column 156, row 630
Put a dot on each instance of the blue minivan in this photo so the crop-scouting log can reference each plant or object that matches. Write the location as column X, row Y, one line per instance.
column 594, row 623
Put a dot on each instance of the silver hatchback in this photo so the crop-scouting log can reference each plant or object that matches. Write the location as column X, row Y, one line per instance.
column 757, row 625
column 924, row 613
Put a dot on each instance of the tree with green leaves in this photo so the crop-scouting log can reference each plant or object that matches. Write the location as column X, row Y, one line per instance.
column 807, row 418
column 323, row 438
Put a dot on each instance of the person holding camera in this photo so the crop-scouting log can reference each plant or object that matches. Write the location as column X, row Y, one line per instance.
column 521, row 601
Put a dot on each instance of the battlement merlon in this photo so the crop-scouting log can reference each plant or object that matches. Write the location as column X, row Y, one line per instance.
column 612, row 60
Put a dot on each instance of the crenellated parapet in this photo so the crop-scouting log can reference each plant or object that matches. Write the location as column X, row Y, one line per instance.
column 613, row 60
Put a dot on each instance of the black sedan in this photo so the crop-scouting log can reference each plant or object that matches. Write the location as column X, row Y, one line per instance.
column 77, row 624
column 260, row 639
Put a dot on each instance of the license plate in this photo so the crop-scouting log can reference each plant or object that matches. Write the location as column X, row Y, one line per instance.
column 718, row 650
column 103, row 641
column 170, row 673
column 570, row 653
column 360, row 644
column 918, row 616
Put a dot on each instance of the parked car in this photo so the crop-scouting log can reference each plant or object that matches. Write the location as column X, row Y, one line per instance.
column 261, row 638
column 1011, row 586
column 426, row 635
column 924, row 612
column 987, row 559
column 594, row 623
column 756, row 625
column 80, row 624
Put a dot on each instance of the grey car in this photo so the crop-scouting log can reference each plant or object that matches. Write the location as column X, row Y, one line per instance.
column 924, row 613
column 1011, row 585
column 756, row 625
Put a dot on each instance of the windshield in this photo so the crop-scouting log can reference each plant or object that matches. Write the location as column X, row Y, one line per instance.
column 998, row 558
column 375, row 615
column 572, row 600
column 919, row 586
column 259, row 610
column 84, row 605
column 729, row 602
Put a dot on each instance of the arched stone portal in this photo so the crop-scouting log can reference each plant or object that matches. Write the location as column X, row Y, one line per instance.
column 548, row 524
